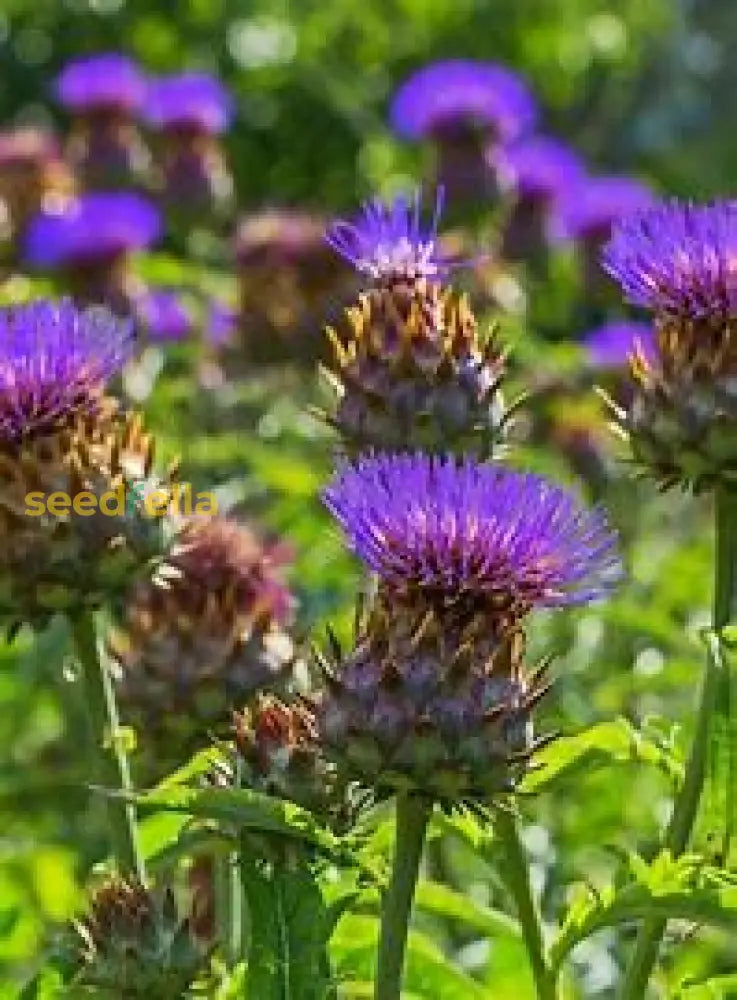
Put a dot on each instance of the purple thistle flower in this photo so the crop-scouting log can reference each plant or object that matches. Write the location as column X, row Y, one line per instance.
column 463, row 92
column 678, row 258
column 612, row 344
column 473, row 531
column 105, row 82
column 55, row 361
column 537, row 167
column 589, row 209
column 389, row 243
column 93, row 227
column 164, row 315
column 189, row 100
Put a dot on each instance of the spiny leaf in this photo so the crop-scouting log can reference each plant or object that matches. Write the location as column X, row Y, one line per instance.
column 600, row 745
column 683, row 888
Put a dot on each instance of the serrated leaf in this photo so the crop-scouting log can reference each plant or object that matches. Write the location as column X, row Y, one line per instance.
column 684, row 888
column 601, row 745
column 290, row 929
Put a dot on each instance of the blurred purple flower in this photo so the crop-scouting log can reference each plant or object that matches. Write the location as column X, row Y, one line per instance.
column 222, row 323
column 472, row 532
column 189, row 100
column 589, row 209
column 164, row 315
column 55, row 360
column 538, row 167
column 612, row 344
column 389, row 243
column 678, row 258
column 463, row 92
column 93, row 227
column 105, row 82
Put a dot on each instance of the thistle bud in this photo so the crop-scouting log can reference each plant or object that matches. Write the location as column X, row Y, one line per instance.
column 677, row 260
column 203, row 634
column 410, row 367
column 133, row 944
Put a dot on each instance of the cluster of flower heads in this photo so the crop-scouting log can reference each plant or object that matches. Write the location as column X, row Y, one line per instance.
column 113, row 82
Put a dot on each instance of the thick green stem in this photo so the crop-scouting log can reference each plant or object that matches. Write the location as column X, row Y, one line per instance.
column 516, row 877
column 687, row 802
column 413, row 814
column 108, row 759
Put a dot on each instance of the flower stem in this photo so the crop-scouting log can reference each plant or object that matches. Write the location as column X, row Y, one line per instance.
column 413, row 814
column 687, row 801
column 517, row 879
column 109, row 760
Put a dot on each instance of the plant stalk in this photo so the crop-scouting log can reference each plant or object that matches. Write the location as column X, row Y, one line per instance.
column 516, row 876
column 109, row 761
column 413, row 814
column 687, row 801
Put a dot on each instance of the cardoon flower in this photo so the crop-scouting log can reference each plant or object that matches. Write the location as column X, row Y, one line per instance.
column 61, row 436
column 411, row 369
column 203, row 634
column 677, row 260
column 288, row 281
column 388, row 243
column 163, row 315
column 32, row 174
column 104, row 93
column 612, row 345
column 191, row 111
column 134, row 944
column 91, row 239
column 435, row 692
column 533, row 171
column 464, row 107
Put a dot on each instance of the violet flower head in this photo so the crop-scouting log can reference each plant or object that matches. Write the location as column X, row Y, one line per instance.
column 613, row 344
column 164, row 315
column 472, row 532
column 538, row 167
column 390, row 243
column 463, row 93
column 105, row 82
column 589, row 209
column 93, row 227
column 55, row 361
column 189, row 100
column 678, row 258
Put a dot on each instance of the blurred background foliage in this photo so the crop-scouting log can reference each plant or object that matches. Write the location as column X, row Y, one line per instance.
column 640, row 86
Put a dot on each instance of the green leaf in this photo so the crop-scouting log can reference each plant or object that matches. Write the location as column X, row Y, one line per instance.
column 685, row 888
column 244, row 809
column 290, row 929
column 442, row 901
column 429, row 974
column 599, row 746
